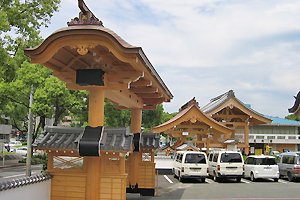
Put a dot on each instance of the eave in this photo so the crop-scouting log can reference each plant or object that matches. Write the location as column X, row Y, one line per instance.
column 127, row 69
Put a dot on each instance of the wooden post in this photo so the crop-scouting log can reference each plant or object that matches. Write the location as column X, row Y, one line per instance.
column 96, row 107
column 136, row 157
column 246, row 138
column 95, row 118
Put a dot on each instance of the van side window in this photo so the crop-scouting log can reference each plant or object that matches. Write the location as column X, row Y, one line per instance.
column 215, row 158
column 285, row 159
column 210, row 157
column 291, row 160
column 249, row 161
column 180, row 158
column 177, row 157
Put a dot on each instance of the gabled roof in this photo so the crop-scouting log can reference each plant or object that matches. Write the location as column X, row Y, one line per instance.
column 191, row 112
column 186, row 146
column 296, row 107
column 228, row 99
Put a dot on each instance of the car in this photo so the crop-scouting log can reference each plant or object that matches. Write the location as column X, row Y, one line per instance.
column 289, row 165
column 261, row 166
column 190, row 165
column 225, row 164
column 22, row 151
column 13, row 143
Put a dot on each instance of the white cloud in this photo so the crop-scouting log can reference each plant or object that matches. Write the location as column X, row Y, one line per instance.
column 204, row 48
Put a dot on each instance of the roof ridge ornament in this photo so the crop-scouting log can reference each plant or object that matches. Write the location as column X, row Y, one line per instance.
column 86, row 17
column 189, row 103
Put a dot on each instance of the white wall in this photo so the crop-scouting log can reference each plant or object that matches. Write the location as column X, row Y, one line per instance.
column 36, row 191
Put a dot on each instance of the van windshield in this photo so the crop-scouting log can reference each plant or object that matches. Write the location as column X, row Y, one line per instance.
column 231, row 158
column 195, row 158
column 265, row 161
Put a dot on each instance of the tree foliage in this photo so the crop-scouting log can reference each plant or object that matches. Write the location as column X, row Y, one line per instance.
column 152, row 118
column 293, row 117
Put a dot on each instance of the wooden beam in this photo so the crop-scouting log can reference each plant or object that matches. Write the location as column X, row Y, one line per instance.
column 143, row 90
column 153, row 100
column 124, row 98
column 150, row 95
column 141, row 83
column 224, row 116
column 124, row 76
column 149, row 107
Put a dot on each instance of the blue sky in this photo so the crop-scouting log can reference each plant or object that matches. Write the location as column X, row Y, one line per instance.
column 203, row 48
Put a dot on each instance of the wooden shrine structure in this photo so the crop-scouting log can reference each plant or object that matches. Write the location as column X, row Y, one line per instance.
column 100, row 163
column 231, row 112
column 191, row 123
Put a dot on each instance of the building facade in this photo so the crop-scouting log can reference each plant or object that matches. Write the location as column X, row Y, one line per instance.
column 281, row 135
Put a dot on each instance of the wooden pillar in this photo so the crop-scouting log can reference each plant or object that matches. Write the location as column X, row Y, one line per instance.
column 246, row 138
column 135, row 157
column 96, row 107
column 95, row 118
column 136, row 120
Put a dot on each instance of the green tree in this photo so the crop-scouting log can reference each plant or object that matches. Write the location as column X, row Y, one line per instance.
column 20, row 22
column 293, row 117
column 152, row 118
column 114, row 117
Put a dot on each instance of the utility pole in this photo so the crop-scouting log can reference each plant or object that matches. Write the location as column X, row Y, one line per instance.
column 29, row 135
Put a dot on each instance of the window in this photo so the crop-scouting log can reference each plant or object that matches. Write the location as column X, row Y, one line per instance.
column 210, row 157
column 281, row 137
column 265, row 161
column 215, row 158
column 284, row 159
column 249, row 161
column 292, row 137
column 146, row 157
column 231, row 157
column 251, row 136
column 260, row 137
column 179, row 158
column 270, row 137
column 291, row 160
column 195, row 158
column 66, row 162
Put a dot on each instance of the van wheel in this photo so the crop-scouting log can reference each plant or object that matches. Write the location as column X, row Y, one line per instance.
column 180, row 178
column 290, row 177
column 275, row 179
column 216, row 179
column 252, row 178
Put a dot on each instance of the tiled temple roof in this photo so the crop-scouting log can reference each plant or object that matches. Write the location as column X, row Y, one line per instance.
column 149, row 141
column 14, row 183
column 55, row 137
column 117, row 139
column 296, row 105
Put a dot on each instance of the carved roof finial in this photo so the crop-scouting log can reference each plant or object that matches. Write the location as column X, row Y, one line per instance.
column 86, row 17
column 189, row 103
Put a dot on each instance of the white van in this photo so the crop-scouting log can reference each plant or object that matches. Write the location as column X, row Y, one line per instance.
column 226, row 164
column 190, row 164
column 261, row 167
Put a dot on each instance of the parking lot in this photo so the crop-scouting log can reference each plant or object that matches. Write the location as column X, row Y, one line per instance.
column 170, row 188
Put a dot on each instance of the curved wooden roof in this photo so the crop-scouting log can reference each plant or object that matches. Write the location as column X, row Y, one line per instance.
column 130, row 79
column 228, row 99
column 190, row 116
column 296, row 107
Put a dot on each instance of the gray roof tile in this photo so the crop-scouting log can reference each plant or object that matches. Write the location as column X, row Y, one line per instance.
column 149, row 141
